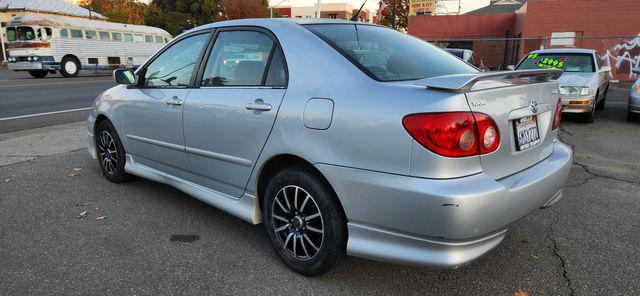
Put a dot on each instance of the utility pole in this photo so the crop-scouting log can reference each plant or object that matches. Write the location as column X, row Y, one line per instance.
column 318, row 9
column 393, row 15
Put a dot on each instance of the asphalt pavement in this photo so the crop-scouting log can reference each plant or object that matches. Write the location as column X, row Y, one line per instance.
column 155, row 240
column 27, row 102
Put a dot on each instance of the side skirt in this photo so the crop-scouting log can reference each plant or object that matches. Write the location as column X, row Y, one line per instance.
column 245, row 208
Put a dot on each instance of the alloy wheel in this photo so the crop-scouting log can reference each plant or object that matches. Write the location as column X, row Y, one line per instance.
column 297, row 222
column 108, row 153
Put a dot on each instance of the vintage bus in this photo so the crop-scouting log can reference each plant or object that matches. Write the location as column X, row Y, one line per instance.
column 49, row 44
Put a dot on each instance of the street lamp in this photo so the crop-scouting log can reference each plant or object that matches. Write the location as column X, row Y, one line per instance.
column 272, row 7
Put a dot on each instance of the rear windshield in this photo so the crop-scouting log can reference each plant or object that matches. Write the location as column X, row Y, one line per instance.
column 388, row 55
column 567, row 62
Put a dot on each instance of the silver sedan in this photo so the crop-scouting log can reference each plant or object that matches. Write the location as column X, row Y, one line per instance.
column 341, row 137
column 584, row 83
column 634, row 99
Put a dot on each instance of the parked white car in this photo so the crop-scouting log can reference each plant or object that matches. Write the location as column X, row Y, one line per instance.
column 584, row 83
column 634, row 99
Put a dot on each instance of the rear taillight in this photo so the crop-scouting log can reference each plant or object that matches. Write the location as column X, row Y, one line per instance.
column 454, row 134
column 558, row 115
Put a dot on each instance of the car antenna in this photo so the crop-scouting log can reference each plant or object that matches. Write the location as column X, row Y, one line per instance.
column 354, row 18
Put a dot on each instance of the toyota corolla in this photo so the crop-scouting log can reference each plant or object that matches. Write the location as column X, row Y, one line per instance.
column 341, row 137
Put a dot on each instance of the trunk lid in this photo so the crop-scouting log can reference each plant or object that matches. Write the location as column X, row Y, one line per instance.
column 509, row 97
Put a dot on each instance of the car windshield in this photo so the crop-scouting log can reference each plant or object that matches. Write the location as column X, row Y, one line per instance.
column 388, row 55
column 20, row 34
column 567, row 62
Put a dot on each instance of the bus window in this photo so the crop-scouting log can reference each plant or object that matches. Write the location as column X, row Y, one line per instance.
column 116, row 36
column 44, row 34
column 92, row 35
column 148, row 38
column 166, row 40
column 138, row 38
column 76, row 34
column 128, row 37
column 158, row 39
column 64, row 33
column 11, row 34
column 20, row 34
column 104, row 36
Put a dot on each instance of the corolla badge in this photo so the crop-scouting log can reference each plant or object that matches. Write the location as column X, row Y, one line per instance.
column 533, row 106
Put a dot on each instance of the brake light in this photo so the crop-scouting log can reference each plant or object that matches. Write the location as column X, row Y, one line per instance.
column 558, row 115
column 454, row 134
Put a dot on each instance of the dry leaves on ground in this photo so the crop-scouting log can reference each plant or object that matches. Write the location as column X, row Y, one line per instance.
column 75, row 172
column 83, row 214
column 100, row 218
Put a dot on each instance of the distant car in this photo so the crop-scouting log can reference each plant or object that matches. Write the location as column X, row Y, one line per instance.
column 340, row 137
column 584, row 83
column 634, row 99
column 468, row 56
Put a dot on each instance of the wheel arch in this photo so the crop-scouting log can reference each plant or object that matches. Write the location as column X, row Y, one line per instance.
column 282, row 161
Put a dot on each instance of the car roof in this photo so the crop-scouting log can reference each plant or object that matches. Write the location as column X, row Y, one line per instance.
column 277, row 21
column 565, row 50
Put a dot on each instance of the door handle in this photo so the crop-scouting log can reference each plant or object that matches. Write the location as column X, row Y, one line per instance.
column 175, row 101
column 258, row 105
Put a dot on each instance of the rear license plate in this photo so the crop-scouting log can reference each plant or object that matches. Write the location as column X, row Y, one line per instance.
column 527, row 135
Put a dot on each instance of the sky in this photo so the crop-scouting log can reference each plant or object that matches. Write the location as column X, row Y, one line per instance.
column 371, row 4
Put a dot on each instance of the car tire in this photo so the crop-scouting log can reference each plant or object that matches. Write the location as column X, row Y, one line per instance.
column 38, row 73
column 304, row 221
column 70, row 67
column 111, row 156
column 603, row 101
column 589, row 117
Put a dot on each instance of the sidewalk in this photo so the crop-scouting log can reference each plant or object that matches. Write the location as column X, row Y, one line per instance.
column 41, row 142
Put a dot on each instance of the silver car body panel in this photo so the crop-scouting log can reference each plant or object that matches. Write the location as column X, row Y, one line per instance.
column 403, row 202
column 634, row 98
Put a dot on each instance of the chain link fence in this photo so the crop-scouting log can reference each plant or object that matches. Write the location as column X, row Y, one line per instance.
column 621, row 53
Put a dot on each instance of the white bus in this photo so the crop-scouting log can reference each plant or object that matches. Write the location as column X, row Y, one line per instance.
column 46, row 44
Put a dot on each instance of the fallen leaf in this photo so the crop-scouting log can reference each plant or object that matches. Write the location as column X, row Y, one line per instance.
column 520, row 292
column 83, row 204
column 99, row 218
column 7, row 180
column 73, row 174
column 77, row 169
column 535, row 257
column 183, row 268
column 83, row 215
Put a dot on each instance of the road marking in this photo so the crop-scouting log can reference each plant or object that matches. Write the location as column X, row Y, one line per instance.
column 45, row 113
column 55, row 83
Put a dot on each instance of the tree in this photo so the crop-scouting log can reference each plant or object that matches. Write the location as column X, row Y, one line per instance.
column 402, row 14
column 118, row 11
column 238, row 9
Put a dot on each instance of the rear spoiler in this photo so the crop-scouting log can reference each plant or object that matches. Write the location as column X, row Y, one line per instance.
column 464, row 82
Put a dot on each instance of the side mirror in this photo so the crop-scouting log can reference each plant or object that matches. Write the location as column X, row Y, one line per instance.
column 636, row 70
column 124, row 76
column 605, row 69
column 511, row 67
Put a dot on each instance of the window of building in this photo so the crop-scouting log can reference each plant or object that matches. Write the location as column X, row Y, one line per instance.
column 333, row 16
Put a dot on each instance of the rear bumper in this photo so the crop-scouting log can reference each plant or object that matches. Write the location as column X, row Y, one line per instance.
column 31, row 66
column 442, row 223
column 578, row 108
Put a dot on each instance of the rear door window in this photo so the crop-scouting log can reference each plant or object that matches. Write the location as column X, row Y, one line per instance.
column 238, row 58
column 387, row 55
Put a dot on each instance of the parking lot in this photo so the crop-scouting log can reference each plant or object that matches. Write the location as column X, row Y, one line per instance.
column 145, row 238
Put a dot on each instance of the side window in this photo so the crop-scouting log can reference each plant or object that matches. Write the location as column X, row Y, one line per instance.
column 598, row 62
column 148, row 38
column 64, row 33
column 138, row 38
column 104, row 36
column 76, row 34
column 92, row 35
column 238, row 58
column 175, row 65
column 277, row 75
column 128, row 37
column 158, row 39
column 116, row 36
